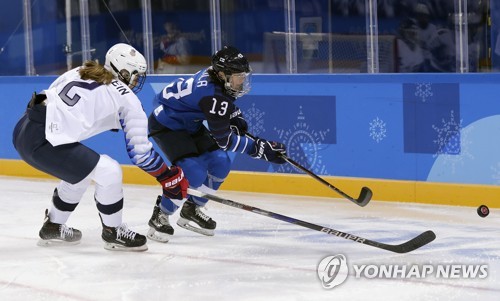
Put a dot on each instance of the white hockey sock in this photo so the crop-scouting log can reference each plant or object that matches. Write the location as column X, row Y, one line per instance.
column 109, row 191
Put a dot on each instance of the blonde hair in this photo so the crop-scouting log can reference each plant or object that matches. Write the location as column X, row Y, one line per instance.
column 96, row 72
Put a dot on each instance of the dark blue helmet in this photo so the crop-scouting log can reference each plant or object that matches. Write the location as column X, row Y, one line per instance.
column 230, row 60
column 235, row 68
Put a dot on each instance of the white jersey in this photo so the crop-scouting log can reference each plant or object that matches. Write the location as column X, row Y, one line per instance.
column 78, row 109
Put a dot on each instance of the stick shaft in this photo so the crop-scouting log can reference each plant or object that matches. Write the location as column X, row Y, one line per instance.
column 406, row 247
column 364, row 196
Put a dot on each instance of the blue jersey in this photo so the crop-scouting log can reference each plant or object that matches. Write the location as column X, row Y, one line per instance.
column 186, row 103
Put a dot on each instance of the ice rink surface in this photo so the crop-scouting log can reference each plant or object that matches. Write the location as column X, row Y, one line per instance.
column 251, row 257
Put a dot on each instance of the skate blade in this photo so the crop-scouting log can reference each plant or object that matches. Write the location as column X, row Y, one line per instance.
column 117, row 247
column 55, row 243
column 184, row 223
column 158, row 236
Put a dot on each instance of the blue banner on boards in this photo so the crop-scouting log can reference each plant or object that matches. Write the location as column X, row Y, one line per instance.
column 430, row 114
column 422, row 127
column 292, row 120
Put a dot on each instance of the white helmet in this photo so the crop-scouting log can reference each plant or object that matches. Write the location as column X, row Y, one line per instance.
column 128, row 64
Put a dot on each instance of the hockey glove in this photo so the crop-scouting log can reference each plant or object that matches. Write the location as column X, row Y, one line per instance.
column 173, row 183
column 269, row 150
column 238, row 123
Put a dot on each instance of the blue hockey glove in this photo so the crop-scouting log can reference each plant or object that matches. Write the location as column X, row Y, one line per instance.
column 269, row 150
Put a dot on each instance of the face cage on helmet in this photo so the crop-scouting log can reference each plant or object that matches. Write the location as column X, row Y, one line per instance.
column 243, row 82
column 135, row 81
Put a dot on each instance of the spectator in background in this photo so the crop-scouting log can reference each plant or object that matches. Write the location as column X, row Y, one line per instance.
column 434, row 42
column 445, row 54
column 175, row 50
column 410, row 55
column 426, row 31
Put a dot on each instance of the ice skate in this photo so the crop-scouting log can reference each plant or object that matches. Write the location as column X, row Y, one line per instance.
column 57, row 234
column 192, row 218
column 123, row 239
column 159, row 226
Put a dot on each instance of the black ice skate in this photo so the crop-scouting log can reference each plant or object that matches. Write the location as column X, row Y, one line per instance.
column 123, row 239
column 159, row 226
column 201, row 223
column 57, row 234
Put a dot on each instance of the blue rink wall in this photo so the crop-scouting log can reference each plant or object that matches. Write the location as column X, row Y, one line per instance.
column 431, row 138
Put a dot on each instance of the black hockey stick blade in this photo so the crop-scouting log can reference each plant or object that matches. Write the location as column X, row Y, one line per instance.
column 411, row 245
column 364, row 196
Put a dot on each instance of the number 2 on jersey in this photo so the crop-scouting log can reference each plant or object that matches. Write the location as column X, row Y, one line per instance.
column 72, row 100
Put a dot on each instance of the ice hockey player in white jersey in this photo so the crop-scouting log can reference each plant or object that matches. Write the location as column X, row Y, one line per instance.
column 79, row 104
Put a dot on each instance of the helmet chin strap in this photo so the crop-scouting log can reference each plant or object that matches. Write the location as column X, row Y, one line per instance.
column 230, row 89
column 119, row 75
column 135, row 87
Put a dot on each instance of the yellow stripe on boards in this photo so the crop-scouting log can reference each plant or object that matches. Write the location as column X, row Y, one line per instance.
column 294, row 184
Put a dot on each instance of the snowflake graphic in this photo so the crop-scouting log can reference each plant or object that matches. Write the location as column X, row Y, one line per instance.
column 303, row 145
column 452, row 141
column 377, row 129
column 255, row 120
column 424, row 91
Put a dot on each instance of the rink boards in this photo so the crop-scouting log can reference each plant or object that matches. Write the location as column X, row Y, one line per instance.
column 427, row 138
column 293, row 184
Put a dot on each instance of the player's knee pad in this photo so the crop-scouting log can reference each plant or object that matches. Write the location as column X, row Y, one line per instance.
column 107, row 172
column 195, row 170
column 72, row 193
column 219, row 163
column 108, row 180
column 219, row 166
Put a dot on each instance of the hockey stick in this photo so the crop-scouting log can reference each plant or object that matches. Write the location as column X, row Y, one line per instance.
column 364, row 196
column 408, row 246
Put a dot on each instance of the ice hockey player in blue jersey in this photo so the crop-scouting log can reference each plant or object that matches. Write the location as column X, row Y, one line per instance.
column 177, row 126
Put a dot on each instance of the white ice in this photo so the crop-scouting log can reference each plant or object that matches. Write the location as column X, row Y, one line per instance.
column 251, row 257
